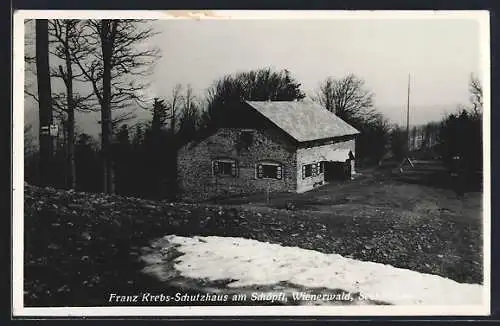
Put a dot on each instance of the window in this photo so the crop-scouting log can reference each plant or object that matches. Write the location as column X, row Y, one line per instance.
column 268, row 170
column 313, row 169
column 225, row 167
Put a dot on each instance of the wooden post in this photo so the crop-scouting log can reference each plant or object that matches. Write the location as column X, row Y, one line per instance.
column 44, row 101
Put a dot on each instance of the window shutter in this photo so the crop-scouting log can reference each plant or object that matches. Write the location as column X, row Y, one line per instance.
column 279, row 174
column 215, row 167
column 260, row 171
column 303, row 171
column 234, row 169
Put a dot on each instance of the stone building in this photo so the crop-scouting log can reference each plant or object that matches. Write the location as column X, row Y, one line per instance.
column 273, row 146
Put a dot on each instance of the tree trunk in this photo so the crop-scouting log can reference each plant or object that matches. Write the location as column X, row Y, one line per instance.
column 71, row 119
column 71, row 149
column 44, row 100
column 106, row 132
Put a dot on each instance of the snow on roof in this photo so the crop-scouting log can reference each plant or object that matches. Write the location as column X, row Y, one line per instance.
column 304, row 120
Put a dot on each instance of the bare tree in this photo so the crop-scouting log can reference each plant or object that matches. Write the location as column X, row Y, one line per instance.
column 115, row 59
column 64, row 33
column 476, row 95
column 189, row 98
column 173, row 106
column 189, row 118
column 347, row 97
column 66, row 101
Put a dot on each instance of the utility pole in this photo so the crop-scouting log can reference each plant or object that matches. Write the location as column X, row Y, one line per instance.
column 407, row 158
column 44, row 100
column 408, row 120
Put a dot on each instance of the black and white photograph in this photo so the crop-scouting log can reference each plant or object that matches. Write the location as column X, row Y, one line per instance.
column 251, row 163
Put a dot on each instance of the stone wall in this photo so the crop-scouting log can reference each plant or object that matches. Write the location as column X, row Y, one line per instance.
column 197, row 181
column 315, row 154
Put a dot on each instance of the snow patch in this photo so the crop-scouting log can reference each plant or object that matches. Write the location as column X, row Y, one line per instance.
column 252, row 262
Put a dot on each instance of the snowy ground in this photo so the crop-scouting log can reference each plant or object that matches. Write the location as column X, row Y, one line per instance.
column 253, row 263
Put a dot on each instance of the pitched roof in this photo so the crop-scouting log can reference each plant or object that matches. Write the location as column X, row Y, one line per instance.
column 304, row 120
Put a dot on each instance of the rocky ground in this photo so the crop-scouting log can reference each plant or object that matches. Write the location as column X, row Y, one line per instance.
column 80, row 247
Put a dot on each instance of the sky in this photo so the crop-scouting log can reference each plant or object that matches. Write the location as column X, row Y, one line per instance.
column 438, row 54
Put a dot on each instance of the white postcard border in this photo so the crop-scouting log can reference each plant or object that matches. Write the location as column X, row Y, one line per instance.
column 482, row 18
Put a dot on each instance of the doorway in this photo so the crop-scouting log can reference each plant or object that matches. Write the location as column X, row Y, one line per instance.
column 337, row 171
